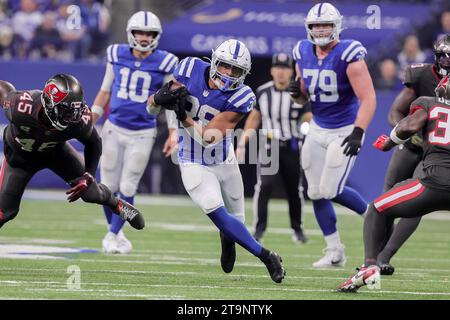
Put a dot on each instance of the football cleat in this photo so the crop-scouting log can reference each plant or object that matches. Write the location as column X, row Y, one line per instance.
column 386, row 269
column 299, row 237
column 109, row 243
column 274, row 266
column 369, row 276
column 228, row 256
column 129, row 213
column 116, row 244
column 334, row 257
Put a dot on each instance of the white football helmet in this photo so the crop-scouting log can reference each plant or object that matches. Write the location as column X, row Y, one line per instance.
column 144, row 21
column 323, row 13
column 236, row 54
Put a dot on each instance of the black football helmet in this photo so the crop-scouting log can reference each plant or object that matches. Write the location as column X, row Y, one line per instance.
column 443, row 88
column 63, row 100
column 442, row 55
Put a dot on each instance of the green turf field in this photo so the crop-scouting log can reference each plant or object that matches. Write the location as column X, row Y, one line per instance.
column 177, row 257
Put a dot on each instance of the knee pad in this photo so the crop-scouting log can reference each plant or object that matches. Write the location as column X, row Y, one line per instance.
column 314, row 193
column 210, row 202
column 328, row 192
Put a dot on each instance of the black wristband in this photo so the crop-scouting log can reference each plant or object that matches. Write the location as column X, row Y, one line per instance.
column 358, row 132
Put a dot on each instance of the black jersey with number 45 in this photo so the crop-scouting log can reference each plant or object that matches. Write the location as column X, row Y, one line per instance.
column 29, row 134
column 436, row 146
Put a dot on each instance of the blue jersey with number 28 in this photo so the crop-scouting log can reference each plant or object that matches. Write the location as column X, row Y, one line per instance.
column 333, row 101
column 203, row 105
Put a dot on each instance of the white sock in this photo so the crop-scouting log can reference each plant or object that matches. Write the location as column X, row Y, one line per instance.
column 111, row 234
column 333, row 240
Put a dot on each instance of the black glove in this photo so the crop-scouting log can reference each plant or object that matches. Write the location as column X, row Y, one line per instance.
column 166, row 98
column 180, row 106
column 294, row 88
column 353, row 141
column 79, row 185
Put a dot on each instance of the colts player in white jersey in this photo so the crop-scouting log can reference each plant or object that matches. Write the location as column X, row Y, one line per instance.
column 332, row 73
column 134, row 71
column 209, row 99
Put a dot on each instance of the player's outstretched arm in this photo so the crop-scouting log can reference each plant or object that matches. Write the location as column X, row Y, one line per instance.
column 362, row 85
column 98, row 109
column 104, row 94
column 400, row 106
column 405, row 129
column 359, row 77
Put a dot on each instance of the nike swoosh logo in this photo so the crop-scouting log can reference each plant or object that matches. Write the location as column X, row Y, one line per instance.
column 335, row 261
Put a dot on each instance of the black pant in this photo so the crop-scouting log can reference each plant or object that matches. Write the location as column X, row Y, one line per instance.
column 408, row 199
column 291, row 174
column 404, row 164
column 18, row 168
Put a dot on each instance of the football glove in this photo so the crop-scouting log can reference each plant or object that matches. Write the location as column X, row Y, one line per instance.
column 381, row 140
column 180, row 106
column 294, row 88
column 166, row 98
column 353, row 142
column 79, row 185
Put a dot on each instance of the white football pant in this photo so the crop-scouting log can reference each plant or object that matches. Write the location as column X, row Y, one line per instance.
column 211, row 187
column 325, row 165
column 125, row 157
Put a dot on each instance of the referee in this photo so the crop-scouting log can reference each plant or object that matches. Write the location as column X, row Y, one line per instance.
column 281, row 119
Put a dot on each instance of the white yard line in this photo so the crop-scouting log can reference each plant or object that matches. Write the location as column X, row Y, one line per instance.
column 223, row 287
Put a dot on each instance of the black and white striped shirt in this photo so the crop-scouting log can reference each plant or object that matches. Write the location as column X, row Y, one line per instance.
column 280, row 116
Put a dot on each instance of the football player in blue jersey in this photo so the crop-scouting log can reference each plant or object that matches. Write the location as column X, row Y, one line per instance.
column 333, row 75
column 134, row 71
column 209, row 99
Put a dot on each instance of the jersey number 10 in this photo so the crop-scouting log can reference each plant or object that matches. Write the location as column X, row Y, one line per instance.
column 130, row 92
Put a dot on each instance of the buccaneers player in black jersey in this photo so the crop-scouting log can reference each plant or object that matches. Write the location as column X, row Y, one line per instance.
column 413, row 197
column 420, row 80
column 41, row 123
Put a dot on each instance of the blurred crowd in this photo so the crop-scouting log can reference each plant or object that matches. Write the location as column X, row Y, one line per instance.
column 80, row 29
column 390, row 71
column 54, row 29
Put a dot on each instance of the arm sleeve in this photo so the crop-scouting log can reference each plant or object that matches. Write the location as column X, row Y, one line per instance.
column 92, row 151
column 108, row 79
